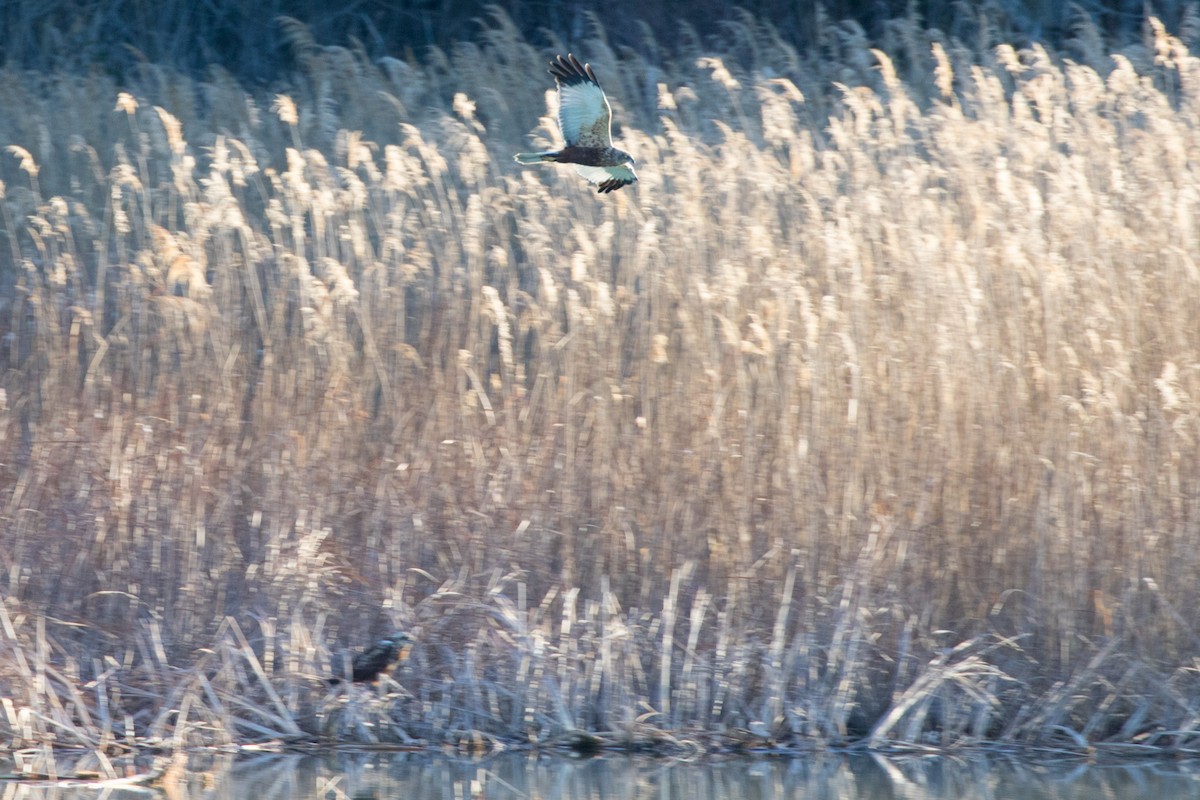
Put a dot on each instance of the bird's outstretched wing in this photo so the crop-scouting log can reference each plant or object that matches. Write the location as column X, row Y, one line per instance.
column 608, row 179
column 584, row 114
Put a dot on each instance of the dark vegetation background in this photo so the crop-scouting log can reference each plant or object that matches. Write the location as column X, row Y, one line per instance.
column 243, row 37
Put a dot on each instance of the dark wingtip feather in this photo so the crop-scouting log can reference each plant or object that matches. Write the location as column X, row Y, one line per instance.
column 568, row 70
column 612, row 184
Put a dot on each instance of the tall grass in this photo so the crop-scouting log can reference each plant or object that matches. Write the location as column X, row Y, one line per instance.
column 868, row 414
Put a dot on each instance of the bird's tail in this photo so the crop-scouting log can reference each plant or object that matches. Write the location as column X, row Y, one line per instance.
column 535, row 158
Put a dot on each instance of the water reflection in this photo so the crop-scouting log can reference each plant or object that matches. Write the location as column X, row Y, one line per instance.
column 624, row 778
column 359, row 776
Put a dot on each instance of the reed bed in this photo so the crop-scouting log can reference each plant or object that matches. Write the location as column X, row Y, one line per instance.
column 868, row 417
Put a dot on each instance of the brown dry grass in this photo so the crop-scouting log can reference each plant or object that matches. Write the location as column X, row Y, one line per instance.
column 871, row 411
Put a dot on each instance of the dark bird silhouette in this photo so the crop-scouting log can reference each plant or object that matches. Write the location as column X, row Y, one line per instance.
column 368, row 664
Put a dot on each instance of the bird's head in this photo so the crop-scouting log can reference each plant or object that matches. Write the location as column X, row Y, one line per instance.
column 400, row 641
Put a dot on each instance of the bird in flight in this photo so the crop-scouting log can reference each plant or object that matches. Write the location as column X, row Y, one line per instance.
column 585, row 118
column 368, row 664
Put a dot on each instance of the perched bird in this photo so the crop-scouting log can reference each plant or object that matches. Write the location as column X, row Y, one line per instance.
column 367, row 665
column 585, row 118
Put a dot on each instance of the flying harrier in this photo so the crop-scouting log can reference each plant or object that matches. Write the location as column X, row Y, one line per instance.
column 585, row 117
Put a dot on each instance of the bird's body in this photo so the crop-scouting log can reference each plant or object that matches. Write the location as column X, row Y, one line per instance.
column 369, row 664
column 585, row 119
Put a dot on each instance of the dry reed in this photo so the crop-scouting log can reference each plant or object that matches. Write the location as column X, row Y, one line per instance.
column 869, row 414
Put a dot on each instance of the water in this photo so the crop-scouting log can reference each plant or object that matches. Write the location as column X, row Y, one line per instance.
column 358, row 776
